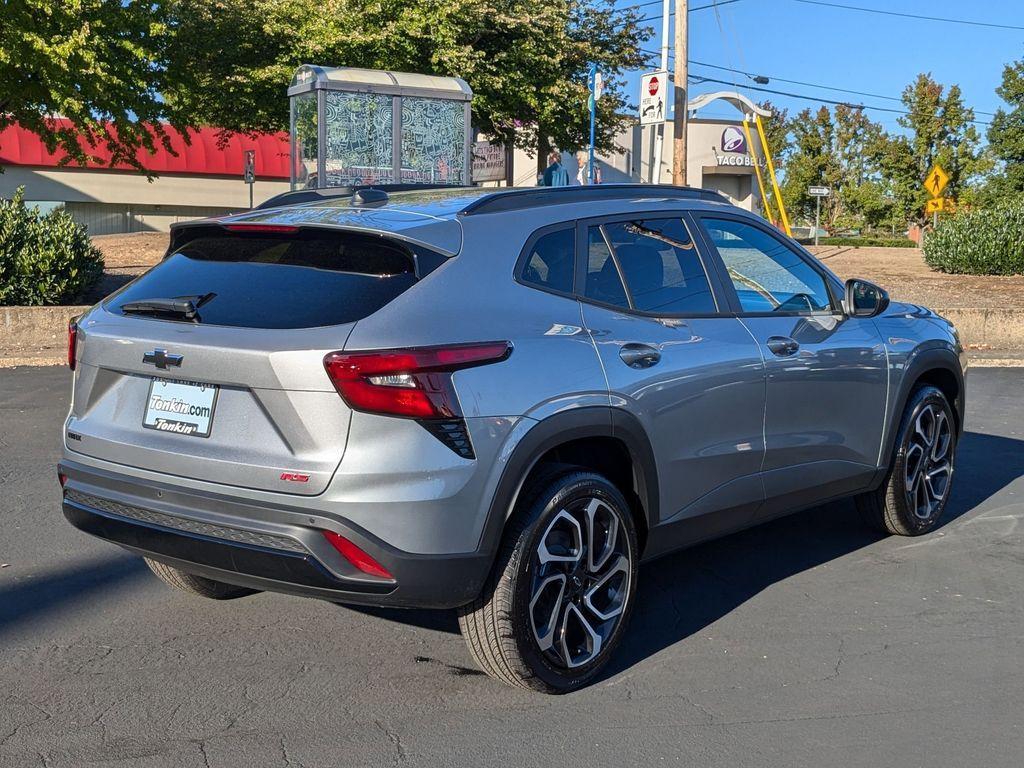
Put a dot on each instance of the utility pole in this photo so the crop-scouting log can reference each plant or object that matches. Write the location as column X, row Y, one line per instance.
column 680, row 100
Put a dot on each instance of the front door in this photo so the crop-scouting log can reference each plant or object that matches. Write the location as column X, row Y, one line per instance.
column 691, row 373
column 827, row 374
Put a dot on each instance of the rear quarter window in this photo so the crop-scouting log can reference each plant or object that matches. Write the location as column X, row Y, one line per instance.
column 304, row 279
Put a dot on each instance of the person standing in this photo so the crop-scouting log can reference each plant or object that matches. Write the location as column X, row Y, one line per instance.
column 582, row 175
column 555, row 174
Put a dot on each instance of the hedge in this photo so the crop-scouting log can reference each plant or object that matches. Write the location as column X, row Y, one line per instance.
column 863, row 242
column 45, row 259
column 980, row 241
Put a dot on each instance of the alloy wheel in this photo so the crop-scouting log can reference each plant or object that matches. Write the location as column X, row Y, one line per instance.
column 582, row 568
column 928, row 461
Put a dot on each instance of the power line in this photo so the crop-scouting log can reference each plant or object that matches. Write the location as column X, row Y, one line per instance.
column 911, row 15
column 672, row 12
column 814, row 85
column 817, row 99
column 811, row 85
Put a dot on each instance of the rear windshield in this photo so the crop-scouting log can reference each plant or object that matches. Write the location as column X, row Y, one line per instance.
column 270, row 280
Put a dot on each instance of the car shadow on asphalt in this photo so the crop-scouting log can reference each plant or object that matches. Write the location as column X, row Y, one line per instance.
column 30, row 597
column 685, row 592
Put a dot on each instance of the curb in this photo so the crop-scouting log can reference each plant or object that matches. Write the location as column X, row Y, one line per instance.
column 40, row 328
column 36, row 327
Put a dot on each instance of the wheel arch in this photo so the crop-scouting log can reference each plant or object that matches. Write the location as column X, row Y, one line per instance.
column 936, row 366
column 598, row 438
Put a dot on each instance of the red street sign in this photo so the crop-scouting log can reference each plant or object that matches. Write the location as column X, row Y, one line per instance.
column 652, row 86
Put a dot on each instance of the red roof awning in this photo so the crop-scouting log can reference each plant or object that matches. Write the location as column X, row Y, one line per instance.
column 202, row 157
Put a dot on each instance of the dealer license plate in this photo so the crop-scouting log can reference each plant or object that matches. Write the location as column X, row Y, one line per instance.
column 182, row 407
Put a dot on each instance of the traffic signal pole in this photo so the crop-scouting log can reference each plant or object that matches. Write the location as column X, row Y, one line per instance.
column 680, row 90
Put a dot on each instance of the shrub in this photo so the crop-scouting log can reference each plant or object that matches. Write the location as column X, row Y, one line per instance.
column 44, row 258
column 980, row 241
column 863, row 242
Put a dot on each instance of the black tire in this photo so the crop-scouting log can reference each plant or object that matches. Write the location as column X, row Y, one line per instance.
column 196, row 585
column 501, row 625
column 896, row 507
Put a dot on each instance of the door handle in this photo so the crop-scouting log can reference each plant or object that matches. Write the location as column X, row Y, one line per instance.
column 782, row 346
column 639, row 355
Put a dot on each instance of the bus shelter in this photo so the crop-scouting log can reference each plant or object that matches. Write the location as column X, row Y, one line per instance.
column 366, row 126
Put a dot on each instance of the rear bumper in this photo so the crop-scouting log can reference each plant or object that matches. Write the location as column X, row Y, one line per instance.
column 278, row 550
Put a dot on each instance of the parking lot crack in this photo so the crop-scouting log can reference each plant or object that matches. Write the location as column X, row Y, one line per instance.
column 394, row 739
column 839, row 660
column 202, row 751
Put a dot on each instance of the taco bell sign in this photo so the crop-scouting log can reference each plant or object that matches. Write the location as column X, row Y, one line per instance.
column 733, row 140
column 734, row 150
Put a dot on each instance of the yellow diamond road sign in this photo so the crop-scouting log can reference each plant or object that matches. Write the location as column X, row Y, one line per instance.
column 936, row 180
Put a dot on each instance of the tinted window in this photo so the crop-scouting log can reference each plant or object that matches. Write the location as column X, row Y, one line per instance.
column 603, row 281
column 300, row 280
column 663, row 272
column 656, row 257
column 767, row 274
column 551, row 260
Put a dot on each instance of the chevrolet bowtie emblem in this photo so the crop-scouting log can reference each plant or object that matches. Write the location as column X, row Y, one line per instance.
column 161, row 359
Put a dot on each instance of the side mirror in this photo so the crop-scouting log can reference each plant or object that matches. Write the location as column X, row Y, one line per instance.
column 864, row 299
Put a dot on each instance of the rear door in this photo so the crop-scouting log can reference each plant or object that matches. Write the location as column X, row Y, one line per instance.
column 237, row 394
column 676, row 359
column 827, row 373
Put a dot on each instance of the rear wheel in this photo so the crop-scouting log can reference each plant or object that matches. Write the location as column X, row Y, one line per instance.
column 914, row 495
column 196, row 585
column 561, row 591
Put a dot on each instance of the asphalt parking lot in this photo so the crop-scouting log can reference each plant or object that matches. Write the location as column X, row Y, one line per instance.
column 806, row 642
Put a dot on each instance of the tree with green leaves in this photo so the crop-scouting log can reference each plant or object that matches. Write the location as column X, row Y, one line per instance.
column 526, row 60
column 97, row 64
column 830, row 148
column 1006, row 133
column 940, row 129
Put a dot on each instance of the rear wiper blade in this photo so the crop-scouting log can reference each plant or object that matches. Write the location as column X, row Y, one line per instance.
column 185, row 306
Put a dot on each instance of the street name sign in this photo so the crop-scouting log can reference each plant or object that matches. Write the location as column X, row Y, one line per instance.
column 653, row 88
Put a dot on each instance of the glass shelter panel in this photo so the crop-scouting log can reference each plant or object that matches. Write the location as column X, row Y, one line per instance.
column 359, row 138
column 304, row 142
column 433, row 141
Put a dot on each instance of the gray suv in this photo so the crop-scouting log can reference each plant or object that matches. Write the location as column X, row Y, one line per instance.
column 500, row 401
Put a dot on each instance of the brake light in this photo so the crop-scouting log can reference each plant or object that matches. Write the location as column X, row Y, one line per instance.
column 416, row 383
column 72, row 342
column 356, row 556
column 281, row 229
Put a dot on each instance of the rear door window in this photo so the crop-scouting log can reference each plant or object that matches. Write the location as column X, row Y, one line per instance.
column 301, row 279
column 648, row 265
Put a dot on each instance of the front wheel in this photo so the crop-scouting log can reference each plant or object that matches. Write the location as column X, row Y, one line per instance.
column 561, row 591
column 914, row 495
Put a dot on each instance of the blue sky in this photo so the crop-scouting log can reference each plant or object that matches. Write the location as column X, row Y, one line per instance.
column 849, row 49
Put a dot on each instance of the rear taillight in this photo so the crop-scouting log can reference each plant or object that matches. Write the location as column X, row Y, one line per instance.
column 360, row 559
column 72, row 342
column 414, row 383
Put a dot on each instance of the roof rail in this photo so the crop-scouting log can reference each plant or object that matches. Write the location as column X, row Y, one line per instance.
column 297, row 196
column 532, row 197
